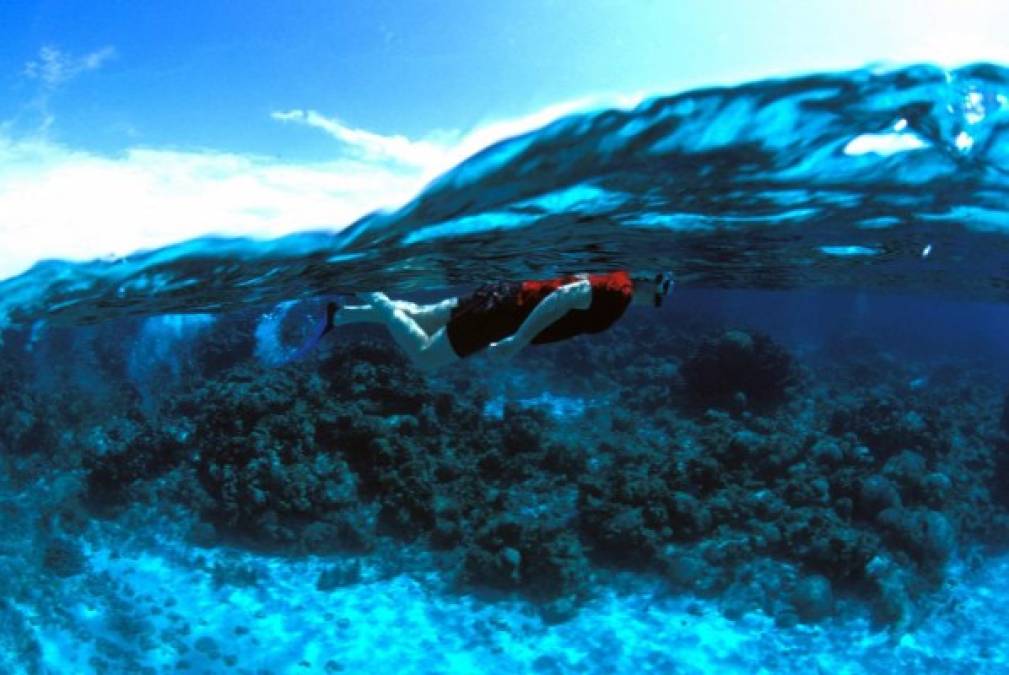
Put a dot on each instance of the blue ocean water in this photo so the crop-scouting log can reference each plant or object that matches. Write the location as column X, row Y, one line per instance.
column 890, row 180
column 799, row 462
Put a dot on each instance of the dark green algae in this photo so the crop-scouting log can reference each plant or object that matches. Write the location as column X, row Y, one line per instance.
column 717, row 463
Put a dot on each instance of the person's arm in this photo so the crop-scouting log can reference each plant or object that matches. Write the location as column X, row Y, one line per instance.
column 577, row 295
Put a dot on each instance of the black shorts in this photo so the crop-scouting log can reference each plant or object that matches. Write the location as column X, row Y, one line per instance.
column 489, row 314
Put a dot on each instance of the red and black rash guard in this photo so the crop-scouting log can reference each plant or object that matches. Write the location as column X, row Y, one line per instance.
column 495, row 311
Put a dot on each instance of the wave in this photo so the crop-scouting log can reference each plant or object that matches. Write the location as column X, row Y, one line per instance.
column 866, row 179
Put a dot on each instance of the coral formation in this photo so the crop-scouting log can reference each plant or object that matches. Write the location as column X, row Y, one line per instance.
column 708, row 461
column 63, row 558
column 737, row 368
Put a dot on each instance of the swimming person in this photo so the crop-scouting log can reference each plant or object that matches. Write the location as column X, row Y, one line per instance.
column 501, row 318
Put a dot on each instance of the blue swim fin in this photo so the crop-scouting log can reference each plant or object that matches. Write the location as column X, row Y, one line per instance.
column 324, row 326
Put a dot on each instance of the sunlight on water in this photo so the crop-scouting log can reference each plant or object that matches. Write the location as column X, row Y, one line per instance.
column 789, row 166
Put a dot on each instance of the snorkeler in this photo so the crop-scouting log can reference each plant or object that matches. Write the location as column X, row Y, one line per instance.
column 501, row 317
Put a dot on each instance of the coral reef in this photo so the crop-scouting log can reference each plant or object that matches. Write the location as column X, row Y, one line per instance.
column 129, row 449
column 63, row 557
column 708, row 461
column 737, row 368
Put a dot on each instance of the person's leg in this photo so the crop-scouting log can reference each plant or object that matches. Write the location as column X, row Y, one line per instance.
column 431, row 317
column 426, row 351
column 357, row 314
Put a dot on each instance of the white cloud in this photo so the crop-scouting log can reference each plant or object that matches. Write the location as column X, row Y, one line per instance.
column 438, row 153
column 58, row 202
column 368, row 145
column 54, row 67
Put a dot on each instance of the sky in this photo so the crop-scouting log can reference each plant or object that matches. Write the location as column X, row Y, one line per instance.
column 128, row 125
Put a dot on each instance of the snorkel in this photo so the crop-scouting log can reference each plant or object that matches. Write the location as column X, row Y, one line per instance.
column 663, row 284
